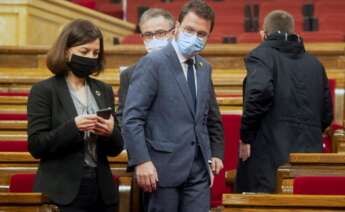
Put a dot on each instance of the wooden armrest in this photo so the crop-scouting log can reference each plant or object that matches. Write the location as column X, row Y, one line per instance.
column 338, row 141
column 283, row 200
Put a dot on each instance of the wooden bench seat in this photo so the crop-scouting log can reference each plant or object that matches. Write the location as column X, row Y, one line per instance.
column 23, row 163
column 25, row 202
column 219, row 55
column 12, row 135
column 13, row 125
column 302, row 164
column 282, row 203
column 309, row 164
column 22, row 100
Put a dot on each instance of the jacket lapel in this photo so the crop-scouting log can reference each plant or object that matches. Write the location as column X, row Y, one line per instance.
column 202, row 82
column 97, row 93
column 179, row 76
column 64, row 96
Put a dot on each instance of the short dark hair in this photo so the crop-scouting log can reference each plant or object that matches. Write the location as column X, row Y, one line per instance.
column 76, row 33
column 200, row 8
column 279, row 20
column 154, row 13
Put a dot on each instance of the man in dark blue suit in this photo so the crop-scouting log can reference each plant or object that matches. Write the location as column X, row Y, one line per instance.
column 165, row 122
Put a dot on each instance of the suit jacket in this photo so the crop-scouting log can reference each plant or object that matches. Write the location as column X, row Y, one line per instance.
column 159, row 122
column 125, row 77
column 287, row 105
column 55, row 139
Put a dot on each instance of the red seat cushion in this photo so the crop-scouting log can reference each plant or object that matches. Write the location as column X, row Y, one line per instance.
column 25, row 182
column 13, row 146
column 323, row 185
column 86, row 3
column 111, row 9
column 323, row 36
column 249, row 37
column 22, row 182
column 13, row 116
column 132, row 39
column 13, row 94
column 231, row 125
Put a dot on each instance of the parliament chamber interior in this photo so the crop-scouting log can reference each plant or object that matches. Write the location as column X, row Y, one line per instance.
column 308, row 182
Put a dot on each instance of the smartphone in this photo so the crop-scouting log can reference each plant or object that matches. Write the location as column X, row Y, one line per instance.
column 104, row 113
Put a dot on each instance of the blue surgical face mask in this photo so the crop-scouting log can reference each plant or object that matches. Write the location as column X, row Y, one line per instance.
column 155, row 44
column 190, row 44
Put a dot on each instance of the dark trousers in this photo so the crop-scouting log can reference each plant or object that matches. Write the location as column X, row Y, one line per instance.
column 192, row 195
column 88, row 198
column 257, row 174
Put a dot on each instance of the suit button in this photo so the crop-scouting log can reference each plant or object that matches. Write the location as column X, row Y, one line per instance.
column 192, row 143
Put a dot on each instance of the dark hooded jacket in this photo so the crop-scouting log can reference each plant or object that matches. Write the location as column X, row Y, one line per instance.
column 287, row 106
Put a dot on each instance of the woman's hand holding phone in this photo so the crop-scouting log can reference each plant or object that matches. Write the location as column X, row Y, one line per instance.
column 85, row 122
column 105, row 123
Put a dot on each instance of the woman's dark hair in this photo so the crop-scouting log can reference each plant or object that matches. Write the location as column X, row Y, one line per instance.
column 76, row 33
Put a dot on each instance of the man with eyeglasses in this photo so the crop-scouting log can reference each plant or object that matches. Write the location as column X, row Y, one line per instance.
column 156, row 26
column 171, row 123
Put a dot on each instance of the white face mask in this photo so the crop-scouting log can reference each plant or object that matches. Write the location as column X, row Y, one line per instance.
column 156, row 44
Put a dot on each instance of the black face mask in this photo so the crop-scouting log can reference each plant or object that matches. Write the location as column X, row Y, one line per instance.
column 82, row 67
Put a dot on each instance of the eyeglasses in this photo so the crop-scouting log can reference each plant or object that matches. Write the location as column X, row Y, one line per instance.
column 190, row 30
column 159, row 34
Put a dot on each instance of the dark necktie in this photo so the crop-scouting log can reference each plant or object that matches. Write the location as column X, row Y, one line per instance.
column 191, row 81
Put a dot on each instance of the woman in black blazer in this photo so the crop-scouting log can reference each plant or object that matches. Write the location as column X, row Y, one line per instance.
column 65, row 133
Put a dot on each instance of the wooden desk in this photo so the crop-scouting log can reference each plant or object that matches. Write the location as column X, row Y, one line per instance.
column 282, row 203
column 22, row 162
column 219, row 55
column 309, row 164
column 28, row 202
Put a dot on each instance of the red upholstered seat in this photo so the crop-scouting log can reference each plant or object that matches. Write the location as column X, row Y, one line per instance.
column 231, row 139
column 293, row 7
column 13, row 146
column 25, row 182
column 132, row 39
column 215, row 38
column 13, row 94
column 86, row 3
column 323, row 36
column 13, row 116
column 324, row 185
column 22, row 182
column 329, row 7
column 111, row 9
column 332, row 22
column 249, row 37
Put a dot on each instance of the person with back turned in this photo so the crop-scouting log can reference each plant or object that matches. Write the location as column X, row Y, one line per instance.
column 287, row 104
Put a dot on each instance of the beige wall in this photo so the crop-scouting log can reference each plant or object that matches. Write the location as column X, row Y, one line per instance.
column 38, row 22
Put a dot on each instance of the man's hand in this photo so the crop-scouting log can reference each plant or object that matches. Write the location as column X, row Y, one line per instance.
column 146, row 175
column 212, row 179
column 217, row 165
column 244, row 152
